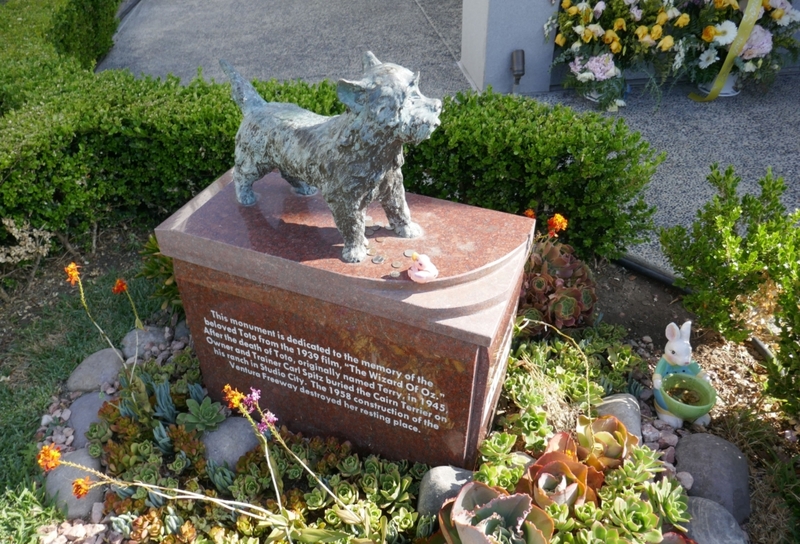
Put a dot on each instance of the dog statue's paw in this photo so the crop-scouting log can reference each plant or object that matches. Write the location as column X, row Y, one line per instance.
column 409, row 230
column 246, row 197
column 354, row 254
column 304, row 189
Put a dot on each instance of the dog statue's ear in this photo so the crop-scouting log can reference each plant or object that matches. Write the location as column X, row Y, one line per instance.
column 370, row 60
column 351, row 93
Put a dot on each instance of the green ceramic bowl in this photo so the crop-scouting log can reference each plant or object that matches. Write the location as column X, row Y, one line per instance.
column 690, row 412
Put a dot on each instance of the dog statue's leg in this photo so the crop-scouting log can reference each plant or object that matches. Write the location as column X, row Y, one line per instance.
column 300, row 187
column 393, row 200
column 350, row 223
column 247, row 171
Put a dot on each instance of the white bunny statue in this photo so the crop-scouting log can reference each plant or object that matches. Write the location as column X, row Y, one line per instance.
column 677, row 359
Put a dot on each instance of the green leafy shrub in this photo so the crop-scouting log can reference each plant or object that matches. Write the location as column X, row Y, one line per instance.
column 84, row 29
column 741, row 262
column 511, row 153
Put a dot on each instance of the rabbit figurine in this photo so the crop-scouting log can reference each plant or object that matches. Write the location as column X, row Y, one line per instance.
column 677, row 358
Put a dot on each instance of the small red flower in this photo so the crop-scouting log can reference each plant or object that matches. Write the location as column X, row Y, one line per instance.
column 556, row 224
column 119, row 287
column 530, row 213
column 81, row 487
column 72, row 273
column 49, row 457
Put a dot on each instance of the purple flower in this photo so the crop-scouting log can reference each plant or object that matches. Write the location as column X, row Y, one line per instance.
column 758, row 45
column 270, row 418
column 636, row 13
column 599, row 8
column 576, row 66
column 602, row 67
column 251, row 401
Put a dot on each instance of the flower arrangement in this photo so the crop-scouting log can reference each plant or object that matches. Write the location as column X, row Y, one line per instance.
column 601, row 39
column 702, row 46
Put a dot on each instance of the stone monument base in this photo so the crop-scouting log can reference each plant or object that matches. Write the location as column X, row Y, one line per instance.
column 357, row 351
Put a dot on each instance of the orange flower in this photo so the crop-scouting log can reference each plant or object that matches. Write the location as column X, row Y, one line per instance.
column 49, row 457
column 530, row 213
column 119, row 287
column 233, row 396
column 708, row 33
column 81, row 487
column 72, row 273
column 556, row 224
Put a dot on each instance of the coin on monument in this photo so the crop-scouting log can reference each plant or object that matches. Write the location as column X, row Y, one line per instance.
column 396, row 264
column 394, row 274
column 408, row 253
column 369, row 232
column 372, row 251
column 378, row 259
column 379, row 239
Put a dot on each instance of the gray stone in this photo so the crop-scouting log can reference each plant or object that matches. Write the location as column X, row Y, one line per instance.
column 625, row 408
column 711, row 523
column 137, row 340
column 96, row 369
column 181, row 331
column 650, row 433
column 233, row 438
column 58, row 485
column 353, row 158
column 719, row 470
column 438, row 485
column 84, row 413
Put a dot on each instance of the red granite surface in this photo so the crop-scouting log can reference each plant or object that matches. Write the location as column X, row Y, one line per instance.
column 419, row 366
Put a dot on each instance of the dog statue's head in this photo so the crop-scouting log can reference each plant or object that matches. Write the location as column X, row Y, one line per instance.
column 389, row 96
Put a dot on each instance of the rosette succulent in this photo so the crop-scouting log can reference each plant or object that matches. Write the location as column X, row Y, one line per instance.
column 482, row 514
column 604, row 442
column 202, row 417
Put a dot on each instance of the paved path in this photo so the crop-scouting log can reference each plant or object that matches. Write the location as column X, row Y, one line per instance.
column 316, row 39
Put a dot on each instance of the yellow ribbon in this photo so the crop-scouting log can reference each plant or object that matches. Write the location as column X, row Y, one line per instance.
column 745, row 28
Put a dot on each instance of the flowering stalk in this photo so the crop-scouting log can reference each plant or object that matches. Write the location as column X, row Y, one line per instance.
column 121, row 287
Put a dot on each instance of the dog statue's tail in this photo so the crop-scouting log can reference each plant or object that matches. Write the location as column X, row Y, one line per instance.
column 244, row 94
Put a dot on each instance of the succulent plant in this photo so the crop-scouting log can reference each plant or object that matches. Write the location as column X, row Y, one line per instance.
column 202, row 417
column 94, row 448
column 99, row 431
column 163, row 441
column 481, row 514
column 187, row 441
column 222, row 477
column 165, row 407
column 669, row 501
column 349, row 466
column 393, row 488
column 604, row 442
column 635, row 518
column 317, row 499
column 558, row 288
column 196, row 392
column 244, row 488
column 179, row 464
column 122, row 524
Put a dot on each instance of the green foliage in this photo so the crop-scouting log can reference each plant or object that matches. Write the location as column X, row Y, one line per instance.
column 740, row 253
column 158, row 267
column 512, row 153
column 201, row 417
column 84, row 29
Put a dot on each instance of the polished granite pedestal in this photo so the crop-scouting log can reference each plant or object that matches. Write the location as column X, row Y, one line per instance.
column 358, row 351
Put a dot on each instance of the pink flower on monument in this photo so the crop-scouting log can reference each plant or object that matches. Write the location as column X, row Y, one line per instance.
column 602, row 67
column 758, row 45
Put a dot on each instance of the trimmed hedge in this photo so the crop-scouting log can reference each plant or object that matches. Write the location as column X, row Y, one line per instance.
column 84, row 29
column 511, row 153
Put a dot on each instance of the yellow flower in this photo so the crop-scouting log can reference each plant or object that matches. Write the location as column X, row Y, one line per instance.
column 720, row 4
column 734, row 4
column 619, row 24
column 683, row 20
column 766, row 5
column 81, row 487
column 708, row 33
column 656, row 32
column 49, row 457
column 666, row 44
column 641, row 32
column 661, row 18
column 588, row 35
column 556, row 224
column 777, row 14
column 572, row 11
column 616, row 47
column 566, row 3
column 560, row 39
column 73, row 275
column 610, row 36
column 232, row 396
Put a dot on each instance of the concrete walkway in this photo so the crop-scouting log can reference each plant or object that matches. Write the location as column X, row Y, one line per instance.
column 315, row 39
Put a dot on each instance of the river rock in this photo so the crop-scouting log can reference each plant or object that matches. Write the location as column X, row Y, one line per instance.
column 84, row 413
column 625, row 408
column 719, row 470
column 233, row 438
column 438, row 485
column 98, row 368
column 141, row 342
column 711, row 523
column 58, row 485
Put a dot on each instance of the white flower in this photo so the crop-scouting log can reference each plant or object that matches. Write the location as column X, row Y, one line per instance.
column 585, row 76
column 596, row 29
column 576, row 46
column 790, row 16
column 599, row 8
column 672, row 13
column 636, row 13
column 630, row 2
column 780, row 4
column 749, row 66
column 578, row 30
column 708, row 58
column 583, row 6
column 680, row 55
column 726, row 32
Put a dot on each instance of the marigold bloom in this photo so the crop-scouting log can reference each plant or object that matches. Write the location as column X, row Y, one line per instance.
column 656, row 32
column 619, row 24
column 560, row 40
column 708, row 33
column 81, row 487
column 662, row 18
column 667, row 43
column 73, row 276
column 232, row 396
column 119, row 287
column 530, row 213
column 610, row 36
column 683, row 20
column 49, row 457
column 556, row 224
column 641, row 32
